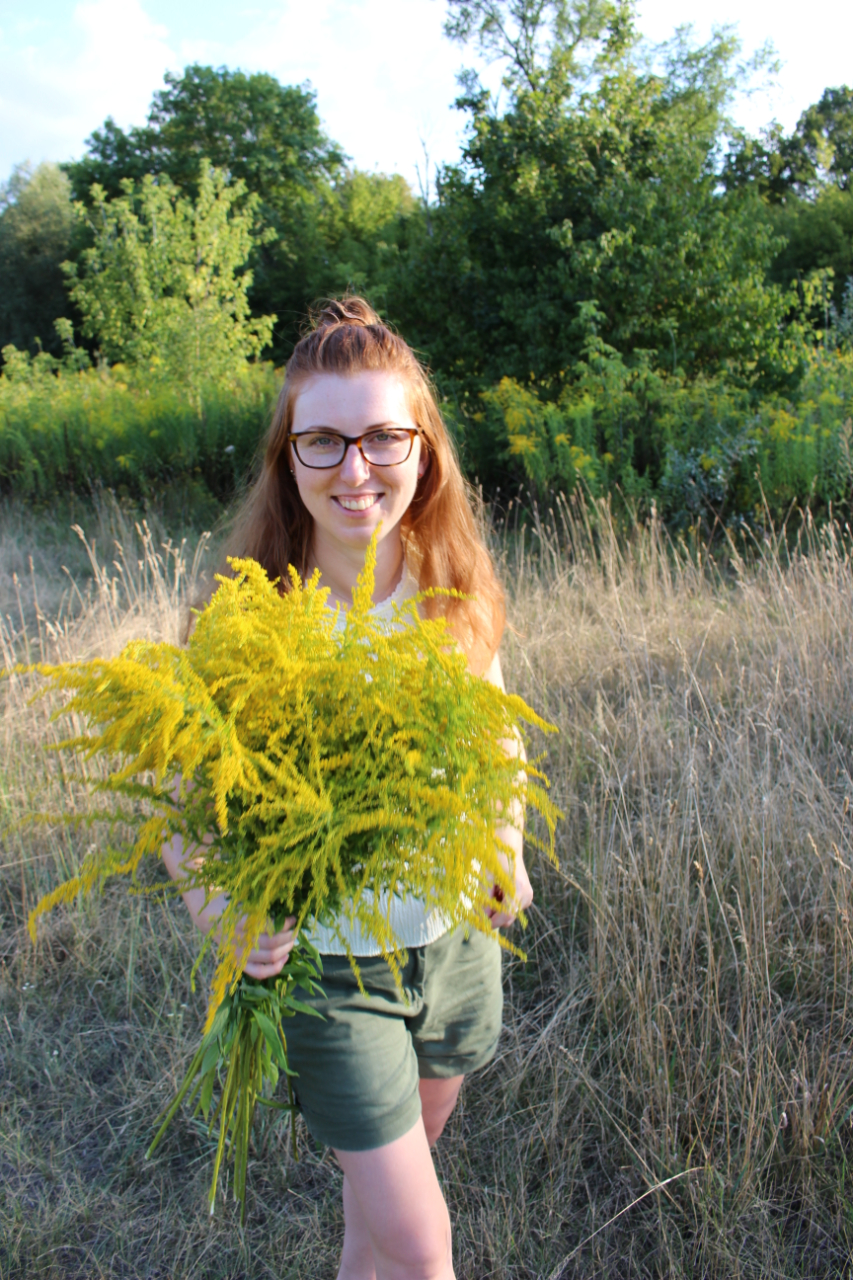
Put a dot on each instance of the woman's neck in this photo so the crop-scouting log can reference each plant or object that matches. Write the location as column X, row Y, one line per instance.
column 340, row 567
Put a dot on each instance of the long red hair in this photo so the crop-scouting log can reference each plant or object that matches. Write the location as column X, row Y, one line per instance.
column 442, row 529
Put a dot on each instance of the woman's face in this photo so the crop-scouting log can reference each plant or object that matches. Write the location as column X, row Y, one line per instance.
column 349, row 500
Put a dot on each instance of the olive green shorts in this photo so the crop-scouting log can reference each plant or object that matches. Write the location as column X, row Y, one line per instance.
column 360, row 1065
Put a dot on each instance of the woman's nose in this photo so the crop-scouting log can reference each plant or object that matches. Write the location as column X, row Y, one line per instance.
column 353, row 466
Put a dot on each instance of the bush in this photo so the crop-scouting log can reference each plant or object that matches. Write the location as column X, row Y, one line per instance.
column 69, row 428
column 706, row 451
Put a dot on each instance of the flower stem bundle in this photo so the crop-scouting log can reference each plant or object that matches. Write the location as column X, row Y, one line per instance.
column 311, row 770
column 246, row 1043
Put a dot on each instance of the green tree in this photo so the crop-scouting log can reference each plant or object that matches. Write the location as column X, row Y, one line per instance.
column 266, row 135
column 805, row 182
column 823, row 139
column 367, row 228
column 542, row 42
column 590, row 209
column 36, row 230
column 817, row 234
column 161, row 286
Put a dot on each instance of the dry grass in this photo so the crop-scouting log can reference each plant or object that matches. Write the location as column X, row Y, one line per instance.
column 673, row 1093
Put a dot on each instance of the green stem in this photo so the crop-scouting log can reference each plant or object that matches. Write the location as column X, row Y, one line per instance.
column 223, row 1123
column 178, row 1099
column 242, row 1045
column 291, row 1103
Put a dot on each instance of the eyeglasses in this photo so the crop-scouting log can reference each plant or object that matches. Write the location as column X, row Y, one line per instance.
column 381, row 447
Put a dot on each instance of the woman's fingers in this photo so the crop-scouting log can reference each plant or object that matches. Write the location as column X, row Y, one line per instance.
column 271, row 951
column 259, row 971
column 502, row 916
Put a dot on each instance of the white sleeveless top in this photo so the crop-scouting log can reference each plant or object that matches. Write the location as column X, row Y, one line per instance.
column 413, row 924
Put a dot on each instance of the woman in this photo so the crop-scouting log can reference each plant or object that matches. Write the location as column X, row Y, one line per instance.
column 357, row 442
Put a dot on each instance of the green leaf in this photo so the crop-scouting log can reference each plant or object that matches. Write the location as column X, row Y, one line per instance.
column 273, row 1038
column 292, row 1006
column 207, row 1093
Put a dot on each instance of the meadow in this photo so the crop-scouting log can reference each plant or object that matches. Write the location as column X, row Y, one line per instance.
column 672, row 1096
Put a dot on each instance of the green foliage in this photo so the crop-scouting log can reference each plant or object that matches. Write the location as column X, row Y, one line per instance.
column 63, row 427
column 367, row 226
column 322, row 227
column 593, row 210
column 805, row 180
column 610, row 271
column 36, row 233
column 817, row 235
column 542, row 43
column 161, row 284
column 246, row 1038
column 704, row 449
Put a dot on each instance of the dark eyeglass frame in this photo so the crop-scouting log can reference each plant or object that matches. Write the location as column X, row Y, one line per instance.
column 411, row 432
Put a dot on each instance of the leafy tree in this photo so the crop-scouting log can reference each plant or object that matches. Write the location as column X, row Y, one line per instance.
column 36, row 229
column 590, row 209
column 541, row 42
column 161, row 285
column 805, row 181
column 262, row 133
column 823, row 142
column 817, row 234
column 818, row 154
column 367, row 228
column 774, row 166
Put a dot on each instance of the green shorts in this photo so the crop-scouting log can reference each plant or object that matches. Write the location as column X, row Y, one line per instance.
column 359, row 1067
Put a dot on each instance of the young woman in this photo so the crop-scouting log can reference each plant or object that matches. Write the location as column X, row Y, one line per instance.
column 356, row 442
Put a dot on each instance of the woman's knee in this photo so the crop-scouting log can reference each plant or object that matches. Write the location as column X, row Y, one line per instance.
column 422, row 1257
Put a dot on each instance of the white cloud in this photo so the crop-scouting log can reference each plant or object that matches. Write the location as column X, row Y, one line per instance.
column 814, row 48
column 384, row 73
column 55, row 91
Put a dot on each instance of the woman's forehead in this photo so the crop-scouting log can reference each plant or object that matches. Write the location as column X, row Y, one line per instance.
column 352, row 401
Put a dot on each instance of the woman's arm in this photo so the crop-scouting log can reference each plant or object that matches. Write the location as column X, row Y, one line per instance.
column 271, row 950
column 512, row 832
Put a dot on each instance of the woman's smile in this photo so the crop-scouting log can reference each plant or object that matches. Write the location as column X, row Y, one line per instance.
column 357, row 502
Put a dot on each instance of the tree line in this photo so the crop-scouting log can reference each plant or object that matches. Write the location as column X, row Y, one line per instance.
column 612, row 284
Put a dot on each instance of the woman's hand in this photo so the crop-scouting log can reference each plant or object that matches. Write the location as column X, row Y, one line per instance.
column 269, row 955
column 512, row 834
column 271, row 952
column 505, row 914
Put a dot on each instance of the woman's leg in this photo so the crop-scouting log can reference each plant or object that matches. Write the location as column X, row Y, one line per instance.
column 357, row 1262
column 397, row 1225
column 438, row 1098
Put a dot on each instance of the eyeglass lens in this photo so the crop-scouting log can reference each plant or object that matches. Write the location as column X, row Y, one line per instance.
column 326, row 449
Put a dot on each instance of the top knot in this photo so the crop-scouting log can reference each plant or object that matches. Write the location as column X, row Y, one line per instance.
column 347, row 336
column 347, row 310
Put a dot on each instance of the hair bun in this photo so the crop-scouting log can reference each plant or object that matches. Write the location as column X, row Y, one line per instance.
column 347, row 310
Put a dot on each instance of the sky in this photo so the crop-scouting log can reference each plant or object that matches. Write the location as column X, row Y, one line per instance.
column 384, row 74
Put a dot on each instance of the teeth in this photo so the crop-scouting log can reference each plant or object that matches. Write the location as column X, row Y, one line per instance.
column 356, row 504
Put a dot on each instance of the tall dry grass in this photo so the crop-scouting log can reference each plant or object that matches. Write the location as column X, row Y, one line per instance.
column 672, row 1096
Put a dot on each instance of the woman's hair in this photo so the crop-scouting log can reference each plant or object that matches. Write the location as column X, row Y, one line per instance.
column 441, row 530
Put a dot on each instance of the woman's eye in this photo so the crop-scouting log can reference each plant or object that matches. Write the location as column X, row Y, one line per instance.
column 384, row 437
column 322, row 442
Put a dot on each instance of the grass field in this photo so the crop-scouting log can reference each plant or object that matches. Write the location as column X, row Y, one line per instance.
column 673, row 1092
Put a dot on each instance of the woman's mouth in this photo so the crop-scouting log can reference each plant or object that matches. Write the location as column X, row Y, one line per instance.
column 358, row 504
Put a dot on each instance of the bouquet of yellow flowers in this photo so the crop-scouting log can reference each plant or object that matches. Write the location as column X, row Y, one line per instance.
column 310, row 771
